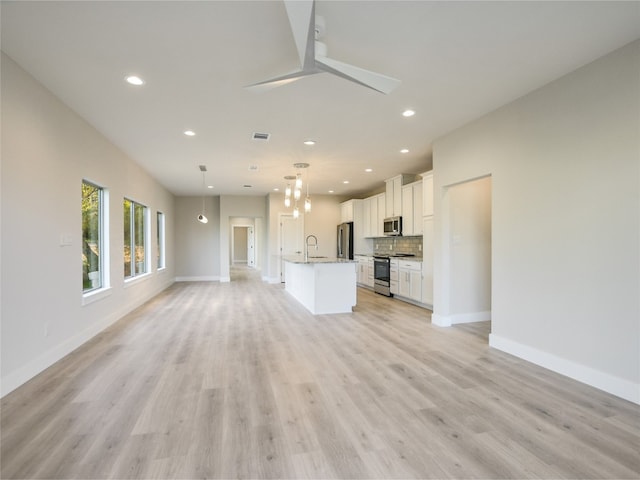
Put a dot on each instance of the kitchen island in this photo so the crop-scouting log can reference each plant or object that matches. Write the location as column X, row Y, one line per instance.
column 322, row 285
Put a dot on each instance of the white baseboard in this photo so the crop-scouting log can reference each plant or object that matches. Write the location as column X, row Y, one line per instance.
column 440, row 320
column 25, row 373
column 448, row 320
column 48, row 358
column 603, row 381
column 271, row 279
column 198, row 279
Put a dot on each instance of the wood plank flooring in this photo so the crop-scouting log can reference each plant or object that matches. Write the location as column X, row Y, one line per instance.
column 238, row 380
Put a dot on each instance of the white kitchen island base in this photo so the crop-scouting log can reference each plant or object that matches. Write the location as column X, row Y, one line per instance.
column 322, row 285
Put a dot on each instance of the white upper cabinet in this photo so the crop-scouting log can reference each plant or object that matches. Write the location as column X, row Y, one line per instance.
column 394, row 193
column 427, row 193
column 347, row 211
column 412, row 208
column 374, row 213
column 366, row 218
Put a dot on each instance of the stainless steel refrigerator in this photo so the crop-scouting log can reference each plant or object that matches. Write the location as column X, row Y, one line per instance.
column 345, row 240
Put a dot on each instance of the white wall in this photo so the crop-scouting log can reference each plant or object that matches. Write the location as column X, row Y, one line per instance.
column 198, row 244
column 46, row 152
column 564, row 162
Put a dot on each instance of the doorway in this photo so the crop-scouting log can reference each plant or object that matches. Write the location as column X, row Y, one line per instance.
column 466, row 253
column 243, row 233
column 242, row 245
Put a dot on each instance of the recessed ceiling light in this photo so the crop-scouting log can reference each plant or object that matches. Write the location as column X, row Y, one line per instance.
column 189, row 133
column 209, row 186
column 276, row 189
column 330, row 191
column 404, row 150
column 368, row 170
column 345, row 181
column 309, row 142
column 134, row 80
column 408, row 113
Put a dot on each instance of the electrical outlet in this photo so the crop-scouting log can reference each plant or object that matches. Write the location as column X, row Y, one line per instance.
column 419, row 247
column 390, row 247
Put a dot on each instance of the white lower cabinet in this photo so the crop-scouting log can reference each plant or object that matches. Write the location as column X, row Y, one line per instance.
column 410, row 280
column 365, row 270
column 394, row 275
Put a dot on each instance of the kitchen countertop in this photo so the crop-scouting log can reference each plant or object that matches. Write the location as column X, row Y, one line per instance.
column 314, row 260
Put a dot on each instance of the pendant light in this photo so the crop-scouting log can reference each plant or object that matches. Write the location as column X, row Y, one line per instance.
column 202, row 218
column 297, row 191
column 287, row 191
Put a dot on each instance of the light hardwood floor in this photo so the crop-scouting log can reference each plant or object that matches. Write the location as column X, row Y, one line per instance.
column 237, row 380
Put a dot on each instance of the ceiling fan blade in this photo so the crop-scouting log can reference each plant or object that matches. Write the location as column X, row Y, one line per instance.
column 302, row 19
column 367, row 78
column 279, row 81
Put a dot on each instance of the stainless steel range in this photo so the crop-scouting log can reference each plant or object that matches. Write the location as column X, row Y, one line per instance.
column 382, row 273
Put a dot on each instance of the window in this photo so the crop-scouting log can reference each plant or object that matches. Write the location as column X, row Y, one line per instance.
column 135, row 228
column 160, row 240
column 93, row 232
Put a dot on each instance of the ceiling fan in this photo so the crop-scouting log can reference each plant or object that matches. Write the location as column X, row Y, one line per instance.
column 307, row 29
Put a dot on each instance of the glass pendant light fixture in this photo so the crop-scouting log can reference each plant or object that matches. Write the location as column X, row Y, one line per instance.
column 202, row 218
column 297, row 191
column 287, row 191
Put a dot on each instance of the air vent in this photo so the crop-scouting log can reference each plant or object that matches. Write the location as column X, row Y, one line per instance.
column 261, row 136
column 203, row 168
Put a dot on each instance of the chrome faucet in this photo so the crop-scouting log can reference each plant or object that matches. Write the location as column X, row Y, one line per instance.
column 306, row 245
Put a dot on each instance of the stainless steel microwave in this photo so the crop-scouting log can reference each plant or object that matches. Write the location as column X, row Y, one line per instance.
column 393, row 226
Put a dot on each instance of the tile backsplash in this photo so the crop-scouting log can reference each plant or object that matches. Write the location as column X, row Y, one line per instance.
column 391, row 245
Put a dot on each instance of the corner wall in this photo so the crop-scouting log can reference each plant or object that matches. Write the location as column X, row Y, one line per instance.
column 47, row 150
column 564, row 162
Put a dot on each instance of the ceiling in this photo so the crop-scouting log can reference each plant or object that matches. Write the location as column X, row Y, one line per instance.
column 456, row 60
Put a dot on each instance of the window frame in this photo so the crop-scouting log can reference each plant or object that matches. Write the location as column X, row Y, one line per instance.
column 160, row 240
column 103, row 244
column 133, row 274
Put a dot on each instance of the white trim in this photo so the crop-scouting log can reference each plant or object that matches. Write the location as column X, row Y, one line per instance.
column 22, row 375
column 225, row 279
column 603, row 381
column 270, row 279
column 198, row 279
column 440, row 320
column 130, row 281
column 471, row 317
column 448, row 320
column 95, row 295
